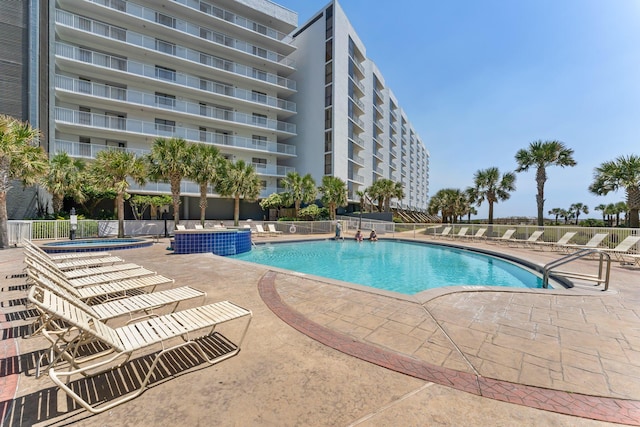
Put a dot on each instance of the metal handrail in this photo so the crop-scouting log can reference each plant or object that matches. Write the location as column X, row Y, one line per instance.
column 600, row 278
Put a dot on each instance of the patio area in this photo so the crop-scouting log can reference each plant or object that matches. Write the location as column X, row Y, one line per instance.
column 322, row 354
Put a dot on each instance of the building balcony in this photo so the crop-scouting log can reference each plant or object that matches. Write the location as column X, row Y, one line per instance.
column 378, row 170
column 358, row 121
column 120, row 125
column 272, row 170
column 393, row 152
column 358, row 103
column 358, row 67
column 359, row 86
column 357, row 160
column 393, row 165
column 394, row 115
column 359, row 179
column 76, row 22
column 378, row 155
column 379, row 125
column 379, row 95
column 85, row 88
column 98, row 59
column 225, row 15
column 379, row 113
column 393, row 127
column 357, row 141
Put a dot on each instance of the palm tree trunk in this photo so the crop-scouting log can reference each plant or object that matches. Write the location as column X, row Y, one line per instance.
column 490, row 212
column 203, row 203
column 175, row 198
column 236, row 210
column 633, row 204
column 4, row 229
column 541, row 177
column 120, row 208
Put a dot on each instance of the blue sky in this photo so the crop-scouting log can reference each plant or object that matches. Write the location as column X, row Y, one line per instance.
column 480, row 80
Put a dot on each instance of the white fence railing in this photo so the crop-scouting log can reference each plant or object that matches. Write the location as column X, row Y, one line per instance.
column 60, row 229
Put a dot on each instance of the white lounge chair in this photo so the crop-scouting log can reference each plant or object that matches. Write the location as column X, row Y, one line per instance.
column 565, row 239
column 445, row 232
column 595, row 241
column 272, row 229
column 180, row 227
column 198, row 227
column 71, row 263
column 622, row 249
column 530, row 241
column 461, row 233
column 505, row 238
column 186, row 326
column 479, row 235
column 260, row 230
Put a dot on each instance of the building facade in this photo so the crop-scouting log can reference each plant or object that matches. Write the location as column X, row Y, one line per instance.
column 349, row 123
column 105, row 74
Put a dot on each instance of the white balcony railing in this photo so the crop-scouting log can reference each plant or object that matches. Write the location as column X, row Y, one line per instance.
column 149, row 71
column 150, row 15
column 80, row 118
column 151, row 100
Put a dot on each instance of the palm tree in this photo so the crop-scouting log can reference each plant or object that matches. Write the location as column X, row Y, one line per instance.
column 205, row 162
column 397, row 193
column 375, row 192
column 623, row 172
column 490, row 186
column 170, row 160
column 21, row 158
column 361, row 196
column 110, row 172
column 567, row 215
column 557, row 212
column 542, row 154
column 239, row 180
column 602, row 207
column 334, row 193
column 576, row 208
column 450, row 202
column 618, row 208
column 301, row 188
column 65, row 178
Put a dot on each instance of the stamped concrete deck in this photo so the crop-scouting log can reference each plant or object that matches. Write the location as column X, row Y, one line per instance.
column 322, row 353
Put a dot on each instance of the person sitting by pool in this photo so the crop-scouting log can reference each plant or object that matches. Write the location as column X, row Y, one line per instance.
column 373, row 236
column 358, row 236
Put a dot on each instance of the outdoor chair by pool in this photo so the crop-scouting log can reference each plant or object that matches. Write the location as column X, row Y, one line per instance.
column 73, row 263
column 260, row 230
column 461, row 233
column 141, row 305
column 595, row 241
column 622, row 249
column 445, row 232
column 566, row 237
column 76, row 255
column 98, row 292
column 188, row 327
column 180, row 227
column 479, row 235
column 505, row 238
column 272, row 229
column 530, row 241
column 198, row 227
column 43, row 258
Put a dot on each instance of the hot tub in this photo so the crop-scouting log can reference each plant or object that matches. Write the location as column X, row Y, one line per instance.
column 220, row 241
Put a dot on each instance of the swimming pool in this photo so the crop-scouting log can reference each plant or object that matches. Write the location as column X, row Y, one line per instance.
column 398, row 266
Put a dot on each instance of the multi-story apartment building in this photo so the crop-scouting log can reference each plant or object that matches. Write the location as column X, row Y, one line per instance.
column 99, row 74
column 349, row 123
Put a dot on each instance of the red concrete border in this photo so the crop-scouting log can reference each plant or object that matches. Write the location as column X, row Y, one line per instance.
column 580, row 405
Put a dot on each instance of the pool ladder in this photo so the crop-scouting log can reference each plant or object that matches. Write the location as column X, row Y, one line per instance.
column 604, row 268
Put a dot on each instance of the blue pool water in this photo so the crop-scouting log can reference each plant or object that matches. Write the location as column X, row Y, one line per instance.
column 402, row 267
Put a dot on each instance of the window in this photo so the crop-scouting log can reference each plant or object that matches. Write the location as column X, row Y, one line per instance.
column 84, row 148
column 84, row 116
column 203, row 109
column 329, row 22
column 259, row 163
column 328, row 95
column 328, row 167
column 165, row 47
column 166, row 126
column 167, row 20
column 328, row 141
column 84, row 85
column 259, row 74
column 165, row 73
column 163, row 100
column 205, row 34
column 85, row 55
column 259, row 119
column 259, row 141
column 259, row 96
column 259, row 28
column 203, row 134
column 328, row 73
column 115, row 120
column 258, row 51
column 328, row 50
column 328, row 122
